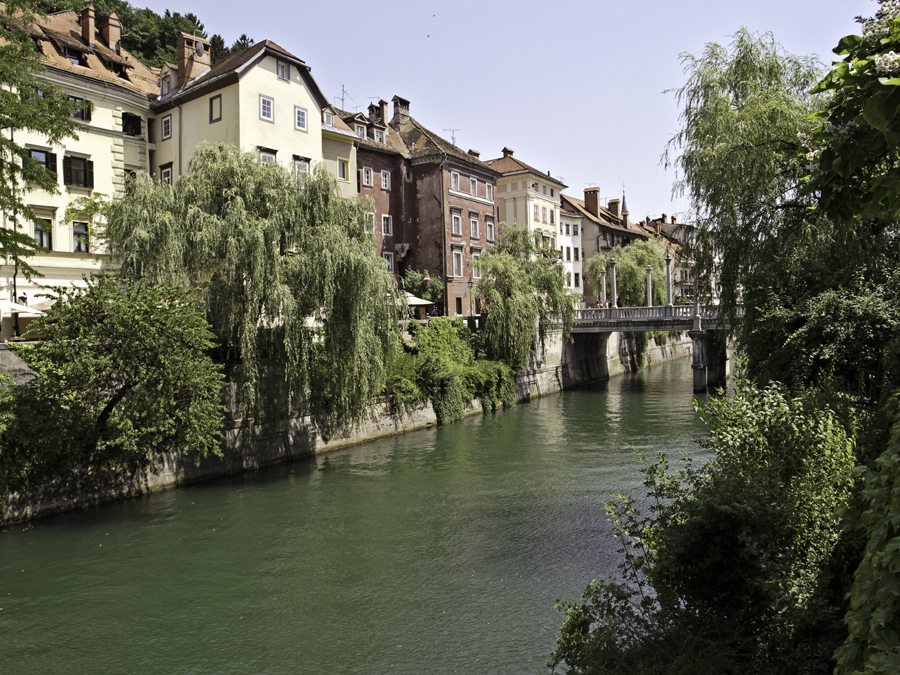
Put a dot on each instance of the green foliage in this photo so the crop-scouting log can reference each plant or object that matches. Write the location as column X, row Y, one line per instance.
column 631, row 272
column 431, row 290
column 853, row 149
column 738, row 558
column 522, row 288
column 122, row 374
column 745, row 110
column 873, row 643
column 442, row 366
column 32, row 104
column 286, row 268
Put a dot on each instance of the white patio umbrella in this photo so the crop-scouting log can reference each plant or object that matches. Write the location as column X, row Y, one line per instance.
column 7, row 307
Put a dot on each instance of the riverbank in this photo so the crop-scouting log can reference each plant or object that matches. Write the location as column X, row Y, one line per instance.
column 561, row 366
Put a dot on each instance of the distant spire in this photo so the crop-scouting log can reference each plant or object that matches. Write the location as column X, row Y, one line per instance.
column 624, row 205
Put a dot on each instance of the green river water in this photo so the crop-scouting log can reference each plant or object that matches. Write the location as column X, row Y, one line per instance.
column 439, row 551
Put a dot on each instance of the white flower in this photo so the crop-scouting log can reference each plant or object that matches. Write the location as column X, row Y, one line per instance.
column 887, row 64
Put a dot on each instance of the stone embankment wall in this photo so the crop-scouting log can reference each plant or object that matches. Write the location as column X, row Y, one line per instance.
column 561, row 366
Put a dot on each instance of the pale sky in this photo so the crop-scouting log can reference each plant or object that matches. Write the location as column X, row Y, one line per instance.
column 574, row 87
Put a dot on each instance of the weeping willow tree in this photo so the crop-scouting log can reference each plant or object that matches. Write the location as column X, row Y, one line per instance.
column 522, row 286
column 286, row 267
column 744, row 118
column 631, row 272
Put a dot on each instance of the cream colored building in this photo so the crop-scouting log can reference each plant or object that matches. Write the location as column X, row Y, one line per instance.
column 527, row 196
column 86, row 61
column 571, row 250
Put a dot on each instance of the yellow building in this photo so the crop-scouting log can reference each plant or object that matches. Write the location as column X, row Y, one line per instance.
column 87, row 62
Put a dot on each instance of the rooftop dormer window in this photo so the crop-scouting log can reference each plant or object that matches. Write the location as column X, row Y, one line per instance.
column 379, row 136
column 328, row 119
column 165, row 85
column 76, row 58
column 360, row 131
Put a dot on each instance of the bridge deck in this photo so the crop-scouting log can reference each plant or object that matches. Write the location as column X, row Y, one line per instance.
column 645, row 319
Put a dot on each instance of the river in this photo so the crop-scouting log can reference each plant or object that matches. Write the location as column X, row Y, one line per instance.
column 439, row 551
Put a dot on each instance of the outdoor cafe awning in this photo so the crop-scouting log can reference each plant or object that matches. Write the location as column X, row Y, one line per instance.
column 8, row 308
column 412, row 300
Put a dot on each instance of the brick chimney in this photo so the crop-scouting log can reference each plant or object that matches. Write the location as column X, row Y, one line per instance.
column 112, row 31
column 592, row 201
column 193, row 57
column 613, row 206
column 382, row 108
column 663, row 219
column 507, row 152
column 475, row 153
column 673, row 221
column 373, row 112
column 87, row 24
column 401, row 111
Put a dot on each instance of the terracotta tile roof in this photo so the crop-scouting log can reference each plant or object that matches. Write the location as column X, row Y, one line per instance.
column 424, row 143
column 62, row 29
column 605, row 219
column 393, row 142
column 510, row 164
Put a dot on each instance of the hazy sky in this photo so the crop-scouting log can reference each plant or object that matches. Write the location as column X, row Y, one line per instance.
column 573, row 87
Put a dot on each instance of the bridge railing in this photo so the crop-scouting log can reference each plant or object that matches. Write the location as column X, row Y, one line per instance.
column 670, row 312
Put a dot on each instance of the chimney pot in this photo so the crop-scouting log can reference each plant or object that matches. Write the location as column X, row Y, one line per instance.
column 613, row 206
column 475, row 153
column 663, row 219
column 592, row 201
column 401, row 111
column 87, row 24
column 507, row 152
column 673, row 220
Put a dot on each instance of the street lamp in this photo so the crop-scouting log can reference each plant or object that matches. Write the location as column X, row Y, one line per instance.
column 471, row 286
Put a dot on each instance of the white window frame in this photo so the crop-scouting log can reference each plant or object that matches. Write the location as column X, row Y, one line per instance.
column 165, row 175
column 543, row 214
column 474, row 228
column 371, row 221
column 473, row 187
column 385, row 180
column 327, row 119
column 387, row 225
column 552, row 216
column 263, row 99
column 360, row 131
column 537, row 213
column 279, row 65
column 301, row 166
column 457, row 262
column 476, row 270
column 454, row 181
column 489, row 192
column 367, row 176
column 456, row 223
column 345, row 164
column 489, row 229
column 266, row 158
column 166, row 127
column 165, row 85
column 379, row 136
column 388, row 261
column 301, row 125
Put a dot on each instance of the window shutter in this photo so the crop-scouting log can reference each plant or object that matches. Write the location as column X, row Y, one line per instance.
column 87, row 111
column 88, row 174
column 51, row 162
column 67, row 170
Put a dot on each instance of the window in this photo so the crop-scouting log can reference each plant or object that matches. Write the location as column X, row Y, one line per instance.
column 458, row 306
column 379, row 136
column 343, row 167
column 42, row 233
column 301, row 165
column 167, row 127
column 457, row 262
column 552, row 216
column 576, row 256
column 545, row 189
column 476, row 271
column 283, row 70
column 78, row 172
column 551, row 192
column 577, row 279
column 328, row 119
column 387, row 226
column 46, row 159
column 83, row 112
column 165, row 174
column 300, row 119
column 489, row 192
column 267, row 157
column 266, row 108
column 164, row 85
column 568, row 253
column 360, row 131
column 473, row 225
column 131, row 124
column 537, row 213
column 80, row 237
column 370, row 222
column 544, row 214
column 367, row 176
column 388, row 261
column 567, row 228
column 215, row 109
column 457, row 223
column 454, row 181
column 535, row 186
column 76, row 57
column 473, row 187
column 385, row 180
column 489, row 228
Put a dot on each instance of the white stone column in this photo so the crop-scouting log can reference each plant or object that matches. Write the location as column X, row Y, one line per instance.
column 668, row 280
column 603, row 289
column 649, row 286
column 612, row 267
